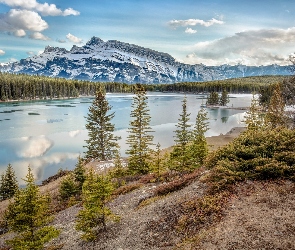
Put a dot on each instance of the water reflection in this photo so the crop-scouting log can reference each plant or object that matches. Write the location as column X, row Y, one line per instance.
column 55, row 138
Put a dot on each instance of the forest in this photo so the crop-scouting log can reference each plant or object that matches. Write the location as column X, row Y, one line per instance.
column 32, row 87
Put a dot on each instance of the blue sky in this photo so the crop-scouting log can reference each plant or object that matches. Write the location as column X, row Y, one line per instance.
column 212, row 32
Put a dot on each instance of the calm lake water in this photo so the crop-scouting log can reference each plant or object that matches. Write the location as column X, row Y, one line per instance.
column 49, row 135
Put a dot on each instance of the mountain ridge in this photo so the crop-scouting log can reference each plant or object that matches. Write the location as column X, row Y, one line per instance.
column 116, row 61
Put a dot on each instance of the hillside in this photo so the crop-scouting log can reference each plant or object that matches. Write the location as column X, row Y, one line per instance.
column 116, row 61
column 183, row 213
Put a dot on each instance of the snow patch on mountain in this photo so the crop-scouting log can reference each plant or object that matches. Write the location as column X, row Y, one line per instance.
column 116, row 61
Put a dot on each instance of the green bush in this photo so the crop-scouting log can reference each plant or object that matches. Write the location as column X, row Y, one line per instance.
column 263, row 154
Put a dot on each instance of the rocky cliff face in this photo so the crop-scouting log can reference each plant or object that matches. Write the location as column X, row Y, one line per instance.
column 123, row 62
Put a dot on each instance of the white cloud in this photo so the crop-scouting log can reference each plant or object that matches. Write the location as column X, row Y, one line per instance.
column 2, row 52
column 30, row 53
column 39, row 36
column 253, row 47
column 61, row 41
column 19, row 33
column 44, row 9
column 194, row 22
column 18, row 21
column 73, row 38
column 70, row 11
column 34, row 146
column 190, row 31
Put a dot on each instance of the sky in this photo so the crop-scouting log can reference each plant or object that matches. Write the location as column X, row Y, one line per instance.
column 211, row 32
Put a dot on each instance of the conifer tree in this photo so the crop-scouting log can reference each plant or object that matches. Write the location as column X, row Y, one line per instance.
column 183, row 136
column 213, row 98
column 28, row 216
column 96, row 191
column 158, row 165
column 139, row 138
column 254, row 119
column 102, row 143
column 8, row 185
column 68, row 187
column 275, row 116
column 224, row 99
column 79, row 174
column 119, row 170
column 199, row 147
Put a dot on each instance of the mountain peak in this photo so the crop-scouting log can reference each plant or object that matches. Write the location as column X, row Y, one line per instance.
column 49, row 49
column 94, row 41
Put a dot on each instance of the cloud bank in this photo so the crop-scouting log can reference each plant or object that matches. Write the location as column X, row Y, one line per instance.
column 194, row 22
column 44, row 9
column 25, row 16
column 253, row 47
column 17, row 22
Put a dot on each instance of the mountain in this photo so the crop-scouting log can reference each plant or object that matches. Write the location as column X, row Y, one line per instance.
column 123, row 62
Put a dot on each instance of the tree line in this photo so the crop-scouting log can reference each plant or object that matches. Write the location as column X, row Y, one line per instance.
column 31, row 87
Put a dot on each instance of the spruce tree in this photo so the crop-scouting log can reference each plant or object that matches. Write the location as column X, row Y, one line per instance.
column 9, row 184
column 254, row 118
column 79, row 174
column 199, row 147
column 180, row 158
column 139, row 138
column 275, row 116
column 158, row 166
column 28, row 217
column 96, row 191
column 102, row 143
column 213, row 98
column 68, row 187
column 224, row 99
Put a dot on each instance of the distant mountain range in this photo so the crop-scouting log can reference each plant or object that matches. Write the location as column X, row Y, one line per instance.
column 116, row 61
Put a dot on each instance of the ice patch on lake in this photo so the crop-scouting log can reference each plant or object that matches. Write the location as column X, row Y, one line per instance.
column 54, row 120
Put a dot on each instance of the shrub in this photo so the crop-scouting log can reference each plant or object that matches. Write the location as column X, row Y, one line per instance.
column 178, row 184
column 126, row 189
column 267, row 154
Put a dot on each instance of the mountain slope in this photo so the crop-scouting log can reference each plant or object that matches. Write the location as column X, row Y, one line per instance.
column 122, row 62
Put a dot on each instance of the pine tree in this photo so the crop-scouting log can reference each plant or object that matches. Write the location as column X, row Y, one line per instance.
column 213, row 98
column 79, row 174
column 275, row 116
column 68, row 187
column 139, row 138
column 180, row 158
column 224, row 99
column 119, row 170
column 254, row 118
column 199, row 147
column 96, row 191
column 28, row 216
column 9, row 184
column 102, row 143
column 158, row 165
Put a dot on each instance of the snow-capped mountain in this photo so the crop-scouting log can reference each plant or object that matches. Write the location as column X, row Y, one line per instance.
column 123, row 62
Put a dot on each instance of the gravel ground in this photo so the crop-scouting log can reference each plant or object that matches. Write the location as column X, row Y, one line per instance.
column 261, row 216
column 140, row 227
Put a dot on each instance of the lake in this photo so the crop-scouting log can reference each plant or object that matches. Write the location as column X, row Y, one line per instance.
column 49, row 135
